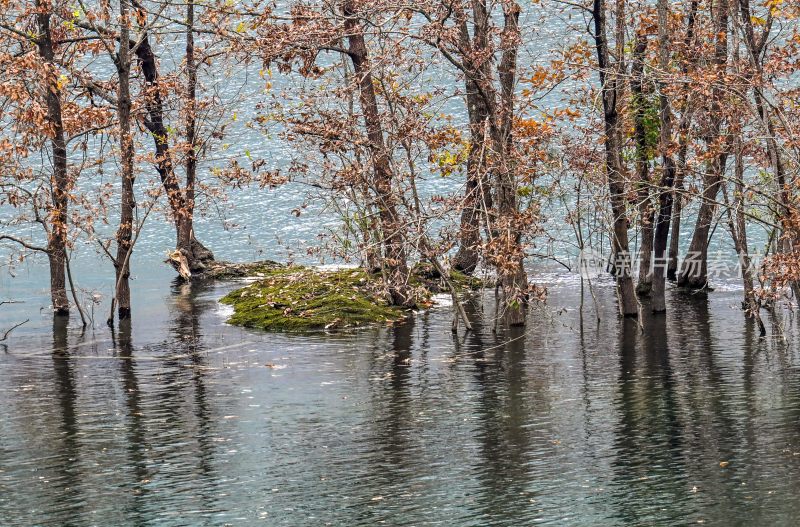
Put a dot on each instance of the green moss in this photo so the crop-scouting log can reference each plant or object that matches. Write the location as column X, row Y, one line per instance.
column 295, row 298
column 465, row 282
column 227, row 270
column 300, row 299
column 426, row 276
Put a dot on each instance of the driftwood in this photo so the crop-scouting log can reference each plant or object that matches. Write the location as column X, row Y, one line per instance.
column 178, row 260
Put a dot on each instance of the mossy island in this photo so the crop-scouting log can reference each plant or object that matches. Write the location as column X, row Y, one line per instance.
column 293, row 298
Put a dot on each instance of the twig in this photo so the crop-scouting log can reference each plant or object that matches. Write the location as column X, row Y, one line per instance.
column 5, row 335
column 74, row 294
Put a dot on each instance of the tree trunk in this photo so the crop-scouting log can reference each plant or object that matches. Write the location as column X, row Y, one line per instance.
column 127, row 202
column 477, row 195
column 677, row 209
column 181, row 205
column 393, row 241
column 199, row 255
column 191, row 110
column 512, row 275
column 646, row 212
column 694, row 272
column 609, row 81
column 60, row 184
column 491, row 121
column 738, row 228
column 683, row 147
column 469, row 235
column 665, row 195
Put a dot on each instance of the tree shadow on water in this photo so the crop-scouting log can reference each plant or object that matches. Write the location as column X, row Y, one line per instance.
column 186, row 421
column 65, row 388
column 136, row 441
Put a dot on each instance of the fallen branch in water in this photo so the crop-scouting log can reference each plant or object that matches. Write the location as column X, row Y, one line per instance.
column 5, row 335
column 8, row 332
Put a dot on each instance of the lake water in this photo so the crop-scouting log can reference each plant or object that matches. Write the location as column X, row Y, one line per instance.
column 183, row 420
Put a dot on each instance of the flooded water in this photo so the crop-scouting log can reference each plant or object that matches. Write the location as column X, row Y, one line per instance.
column 183, row 420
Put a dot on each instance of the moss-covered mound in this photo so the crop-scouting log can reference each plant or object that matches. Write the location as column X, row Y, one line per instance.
column 229, row 270
column 301, row 298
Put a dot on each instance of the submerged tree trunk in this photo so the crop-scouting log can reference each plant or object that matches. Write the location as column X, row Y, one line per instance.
column 181, row 203
column 477, row 195
column 191, row 109
column 677, row 210
column 60, row 184
column 393, row 241
column 469, row 236
column 694, row 272
column 738, row 229
column 511, row 272
column 646, row 214
column 683, row 148
column 127, row 202
column 665, row 192
column 491, row 114
column 187, row 241
column 609, row 81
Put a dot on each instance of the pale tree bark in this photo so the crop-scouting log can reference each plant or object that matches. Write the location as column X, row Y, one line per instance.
column 610, row 83
column 393, row 241
column 60, row 183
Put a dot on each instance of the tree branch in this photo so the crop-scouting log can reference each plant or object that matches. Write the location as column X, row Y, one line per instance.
column 23, row 243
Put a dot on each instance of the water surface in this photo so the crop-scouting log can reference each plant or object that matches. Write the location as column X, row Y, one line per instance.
column 180, row 419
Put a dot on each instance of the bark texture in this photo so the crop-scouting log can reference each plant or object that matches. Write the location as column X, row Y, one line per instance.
column 694, row 271
column 646, row 213
column 665, row 191
column 127, row 201
column 60, row 183
column 477, row 194
column 611, row 88
column 181, row 203
column 513, row 278
column 393, row 242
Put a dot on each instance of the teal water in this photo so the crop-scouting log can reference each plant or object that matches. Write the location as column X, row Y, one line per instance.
column 183, row 420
